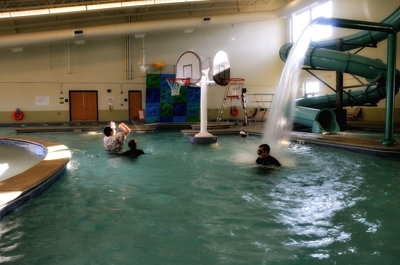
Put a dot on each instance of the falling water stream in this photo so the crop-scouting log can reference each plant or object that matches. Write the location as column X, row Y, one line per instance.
column 280, row 117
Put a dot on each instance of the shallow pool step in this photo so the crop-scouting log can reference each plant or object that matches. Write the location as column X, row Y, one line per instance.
column 217, row 125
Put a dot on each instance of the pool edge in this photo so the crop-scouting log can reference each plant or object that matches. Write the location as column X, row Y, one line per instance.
column 20, row 188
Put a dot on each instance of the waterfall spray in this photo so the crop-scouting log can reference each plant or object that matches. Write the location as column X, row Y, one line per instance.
column 280, row 118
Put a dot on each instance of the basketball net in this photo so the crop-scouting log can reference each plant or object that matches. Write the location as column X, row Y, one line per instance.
column 175, row 85
column 236, row 85
column 234, row 88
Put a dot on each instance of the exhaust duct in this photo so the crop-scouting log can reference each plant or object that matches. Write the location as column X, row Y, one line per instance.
column 34, row 38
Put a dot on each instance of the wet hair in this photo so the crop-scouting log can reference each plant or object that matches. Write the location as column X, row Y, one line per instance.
column 107, row 131
column 265, row 147
column 132, row 144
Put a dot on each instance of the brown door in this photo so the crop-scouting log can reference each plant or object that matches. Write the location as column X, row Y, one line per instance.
column 83, row 105
column 135, row 104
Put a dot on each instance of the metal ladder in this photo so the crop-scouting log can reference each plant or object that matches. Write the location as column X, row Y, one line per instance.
column 238, row 84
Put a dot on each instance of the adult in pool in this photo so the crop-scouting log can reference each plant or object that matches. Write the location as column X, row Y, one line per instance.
column 264, row 158
column 114, row 141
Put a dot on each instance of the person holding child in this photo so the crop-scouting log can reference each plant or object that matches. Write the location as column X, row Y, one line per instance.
column 114, row 141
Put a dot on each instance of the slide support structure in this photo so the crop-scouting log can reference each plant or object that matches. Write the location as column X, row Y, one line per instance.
column 391, row 64
column 341, row 114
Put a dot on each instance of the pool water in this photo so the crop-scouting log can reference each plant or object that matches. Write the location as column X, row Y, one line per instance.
column 182, row 203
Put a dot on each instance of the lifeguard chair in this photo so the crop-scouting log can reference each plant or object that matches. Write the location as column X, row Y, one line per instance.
column 234, row 90
column 233, row 86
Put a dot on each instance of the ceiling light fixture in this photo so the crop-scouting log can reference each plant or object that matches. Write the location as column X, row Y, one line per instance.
column 137, row 3
column 26, row 13
column 67, row 9
column 17, row 49
column 103, row 6
column 78, row 8
column 4, row 14
column 167, row 1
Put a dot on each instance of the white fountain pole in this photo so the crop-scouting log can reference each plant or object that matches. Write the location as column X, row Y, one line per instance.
column 204, row 137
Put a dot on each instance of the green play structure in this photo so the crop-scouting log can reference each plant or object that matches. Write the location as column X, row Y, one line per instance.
column 384, row 78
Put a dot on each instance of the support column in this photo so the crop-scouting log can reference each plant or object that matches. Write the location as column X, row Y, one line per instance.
column 203, row 137
column 390, row 90
column 341, row 114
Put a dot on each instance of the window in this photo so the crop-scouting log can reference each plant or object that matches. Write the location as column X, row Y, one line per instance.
column 311, row 89
column 302, row 18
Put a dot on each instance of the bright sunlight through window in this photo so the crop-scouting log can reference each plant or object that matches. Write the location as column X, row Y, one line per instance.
column 301, row 19
column 311, row 89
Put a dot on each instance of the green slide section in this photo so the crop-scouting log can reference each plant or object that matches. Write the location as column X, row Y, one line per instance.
column 322, row 55
column 319, row 120
column 363, row 38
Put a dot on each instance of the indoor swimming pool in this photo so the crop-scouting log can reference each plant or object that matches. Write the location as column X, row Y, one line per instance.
column 182, row 203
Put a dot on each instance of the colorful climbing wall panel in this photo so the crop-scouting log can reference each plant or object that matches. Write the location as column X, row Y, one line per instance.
column 161, row 106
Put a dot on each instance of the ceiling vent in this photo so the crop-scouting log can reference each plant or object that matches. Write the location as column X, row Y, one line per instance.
column 78, row 32
column 206, row 19
column 17, row 49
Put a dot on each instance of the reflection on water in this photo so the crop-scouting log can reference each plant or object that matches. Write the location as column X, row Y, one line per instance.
column 192, row 204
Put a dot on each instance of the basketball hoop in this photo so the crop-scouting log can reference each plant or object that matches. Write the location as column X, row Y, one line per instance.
column 176, row 83
column 236, row 85
column 234, row 81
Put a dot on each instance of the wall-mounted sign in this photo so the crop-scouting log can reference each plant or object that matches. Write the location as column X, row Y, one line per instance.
column 110, row 101
column 42, row 100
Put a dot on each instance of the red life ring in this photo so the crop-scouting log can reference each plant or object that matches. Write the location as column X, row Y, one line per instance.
column 18, row 115
column 254, row 113
column 234, row 111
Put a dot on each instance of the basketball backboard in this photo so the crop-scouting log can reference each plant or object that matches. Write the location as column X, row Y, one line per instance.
column 221, row 68
column 189, row 66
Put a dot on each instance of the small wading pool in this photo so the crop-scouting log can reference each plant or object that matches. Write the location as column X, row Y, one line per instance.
column 16, row 157
column 208, row 204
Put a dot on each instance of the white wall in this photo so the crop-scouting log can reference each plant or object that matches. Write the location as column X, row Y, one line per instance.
column 99, row 64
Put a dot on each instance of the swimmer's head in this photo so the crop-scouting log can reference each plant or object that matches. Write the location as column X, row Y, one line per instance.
column 132, row 144
column 107, row 131
column 263, row 148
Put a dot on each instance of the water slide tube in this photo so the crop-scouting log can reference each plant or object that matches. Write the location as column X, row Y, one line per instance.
column 314, row 112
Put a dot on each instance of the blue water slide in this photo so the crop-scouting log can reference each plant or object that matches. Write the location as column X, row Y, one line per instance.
column 323, row 55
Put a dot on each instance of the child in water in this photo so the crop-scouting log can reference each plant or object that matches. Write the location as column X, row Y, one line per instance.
column 132, row 152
